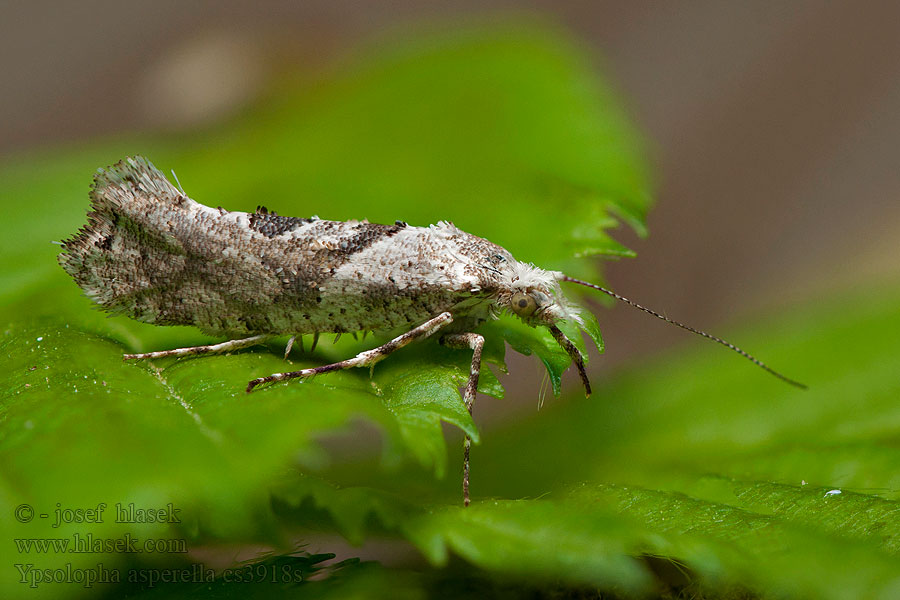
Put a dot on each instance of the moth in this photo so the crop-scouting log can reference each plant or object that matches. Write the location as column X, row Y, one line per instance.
column 153, row 254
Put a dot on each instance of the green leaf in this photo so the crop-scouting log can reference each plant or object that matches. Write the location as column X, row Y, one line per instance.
column 316, row 504
column 699, row 466
column 503, row 128
column 745, row 482
column 533, row 539
column 698, row 462
column 528, row 340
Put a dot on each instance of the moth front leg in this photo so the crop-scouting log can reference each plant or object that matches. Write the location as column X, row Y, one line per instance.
column 363, row 359
column 476, row 343
column 210, row 349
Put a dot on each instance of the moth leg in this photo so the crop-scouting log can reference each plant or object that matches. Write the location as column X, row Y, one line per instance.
column 363, row 359
column 290, row 344
column 210, row 349
column 575, row 354
column 476, row 343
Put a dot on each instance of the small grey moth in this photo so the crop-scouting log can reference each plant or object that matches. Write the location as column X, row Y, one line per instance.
column 153, row 254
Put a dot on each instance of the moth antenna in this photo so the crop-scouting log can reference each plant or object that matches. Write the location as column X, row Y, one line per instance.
column 574, row 354
column 749, row 357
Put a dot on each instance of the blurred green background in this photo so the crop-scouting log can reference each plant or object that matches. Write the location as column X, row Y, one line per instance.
column 767, row 141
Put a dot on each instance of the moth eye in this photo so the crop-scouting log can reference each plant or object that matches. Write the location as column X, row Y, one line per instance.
column 523, row 304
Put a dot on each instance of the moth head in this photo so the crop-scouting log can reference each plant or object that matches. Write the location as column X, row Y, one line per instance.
column 534, row 296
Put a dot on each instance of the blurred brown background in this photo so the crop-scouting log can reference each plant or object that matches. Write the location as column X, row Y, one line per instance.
column 774, row 127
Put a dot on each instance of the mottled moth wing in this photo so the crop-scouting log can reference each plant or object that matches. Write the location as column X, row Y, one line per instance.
column 109, row 257
column 153, row 254
column 150, row 252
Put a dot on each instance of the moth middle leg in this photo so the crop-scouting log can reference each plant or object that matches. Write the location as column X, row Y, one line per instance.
column 476, row 343
column 363, row 359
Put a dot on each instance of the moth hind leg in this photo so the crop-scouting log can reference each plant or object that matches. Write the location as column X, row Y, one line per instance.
column 475, row 342
column 219, row 348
